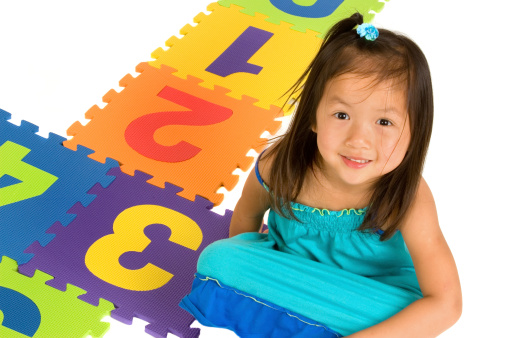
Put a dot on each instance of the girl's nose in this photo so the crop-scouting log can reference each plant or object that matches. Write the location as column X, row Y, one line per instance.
column 359, row 136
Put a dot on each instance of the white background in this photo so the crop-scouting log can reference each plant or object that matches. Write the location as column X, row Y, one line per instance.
column 59, row 58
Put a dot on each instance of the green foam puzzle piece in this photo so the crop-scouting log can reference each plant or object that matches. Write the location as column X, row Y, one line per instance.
column 320, row 25
column 61, row 313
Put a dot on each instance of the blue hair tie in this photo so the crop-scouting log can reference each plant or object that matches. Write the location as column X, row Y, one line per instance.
column 368, row 31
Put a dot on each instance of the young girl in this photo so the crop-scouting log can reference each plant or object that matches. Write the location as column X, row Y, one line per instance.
column 354, row 247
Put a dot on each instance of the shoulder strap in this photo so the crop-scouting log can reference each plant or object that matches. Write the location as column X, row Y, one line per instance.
column 258, row 174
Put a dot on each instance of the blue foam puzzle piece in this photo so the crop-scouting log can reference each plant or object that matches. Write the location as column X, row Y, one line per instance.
column 72, row 173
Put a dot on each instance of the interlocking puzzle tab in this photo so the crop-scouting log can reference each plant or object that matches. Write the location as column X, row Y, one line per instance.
column 245, row 54
column 42, row 181
column 176, row 131
column 30, row 308
column 135, row 245
column 304, row 15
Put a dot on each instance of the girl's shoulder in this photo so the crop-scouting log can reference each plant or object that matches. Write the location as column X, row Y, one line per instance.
column 422, row 207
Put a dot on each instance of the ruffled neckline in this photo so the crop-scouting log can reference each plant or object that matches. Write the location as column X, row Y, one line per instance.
column 332, row 221
column 335, row 213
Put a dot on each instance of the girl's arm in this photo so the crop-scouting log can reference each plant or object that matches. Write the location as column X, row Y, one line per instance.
column 251, row 207
column 436, row 272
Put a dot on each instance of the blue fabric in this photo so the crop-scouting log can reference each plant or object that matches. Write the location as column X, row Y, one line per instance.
column 321, row 268
column 218, row 305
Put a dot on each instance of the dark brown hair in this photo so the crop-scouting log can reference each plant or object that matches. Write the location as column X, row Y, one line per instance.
column 390, row 57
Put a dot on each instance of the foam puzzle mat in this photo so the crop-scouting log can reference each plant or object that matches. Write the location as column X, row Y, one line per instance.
column 112, row 221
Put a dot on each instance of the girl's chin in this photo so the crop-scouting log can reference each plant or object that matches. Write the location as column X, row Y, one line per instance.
column 357, row 179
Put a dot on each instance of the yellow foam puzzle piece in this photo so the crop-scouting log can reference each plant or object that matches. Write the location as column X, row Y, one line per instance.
column 283, row 57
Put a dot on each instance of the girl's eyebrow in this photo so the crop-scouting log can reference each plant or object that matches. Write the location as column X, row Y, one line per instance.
column 336, row 98
column 391, row 109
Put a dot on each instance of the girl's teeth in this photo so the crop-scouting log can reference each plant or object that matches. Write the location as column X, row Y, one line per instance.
column 363, row 161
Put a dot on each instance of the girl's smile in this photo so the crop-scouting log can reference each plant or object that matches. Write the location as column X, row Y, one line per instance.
column 362, row 130
column 355, row 163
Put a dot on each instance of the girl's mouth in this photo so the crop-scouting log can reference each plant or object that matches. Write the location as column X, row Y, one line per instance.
column 356, row 164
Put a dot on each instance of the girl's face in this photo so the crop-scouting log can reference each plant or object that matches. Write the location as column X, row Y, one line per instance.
column 361, row 121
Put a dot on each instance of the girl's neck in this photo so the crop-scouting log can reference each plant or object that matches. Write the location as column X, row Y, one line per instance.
column 322, row 191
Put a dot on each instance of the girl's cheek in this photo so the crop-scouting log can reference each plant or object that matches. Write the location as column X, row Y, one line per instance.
column 388, row 143
column 394, row 148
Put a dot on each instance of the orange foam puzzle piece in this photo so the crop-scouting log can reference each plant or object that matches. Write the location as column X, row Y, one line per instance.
column 177, row 131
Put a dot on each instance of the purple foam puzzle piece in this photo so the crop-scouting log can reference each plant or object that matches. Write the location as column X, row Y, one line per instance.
column 64, row 257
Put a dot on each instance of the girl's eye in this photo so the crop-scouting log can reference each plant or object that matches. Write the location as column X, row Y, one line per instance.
column 385, row 122
column 341, row 116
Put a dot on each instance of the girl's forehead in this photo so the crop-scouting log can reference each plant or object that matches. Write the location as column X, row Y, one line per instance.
column 356, row 82
column 354, row 89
